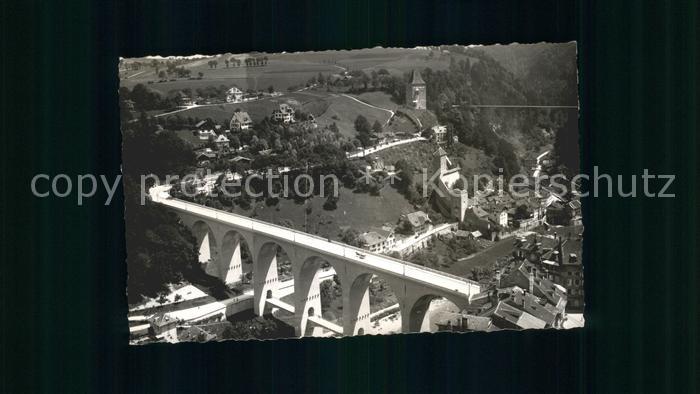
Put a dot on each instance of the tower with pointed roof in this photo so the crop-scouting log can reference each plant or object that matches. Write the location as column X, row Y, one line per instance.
column 415, row 92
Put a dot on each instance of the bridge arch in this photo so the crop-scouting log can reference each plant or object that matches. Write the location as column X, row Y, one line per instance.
column 317, row 282
column 419, row 312
column 236, row 259
column 266, row 276
column 206, row 246
column 368, row 295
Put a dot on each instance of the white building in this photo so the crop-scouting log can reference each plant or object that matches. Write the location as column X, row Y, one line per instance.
column 439, row 134
column 234, row 95
column 284, row 114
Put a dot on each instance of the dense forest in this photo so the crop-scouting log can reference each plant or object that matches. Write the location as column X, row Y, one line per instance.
column 531, row 75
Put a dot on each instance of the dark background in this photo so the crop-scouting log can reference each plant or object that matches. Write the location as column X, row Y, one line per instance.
column 63, row 272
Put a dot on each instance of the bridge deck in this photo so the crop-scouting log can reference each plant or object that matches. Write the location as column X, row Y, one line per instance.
column 432, row 278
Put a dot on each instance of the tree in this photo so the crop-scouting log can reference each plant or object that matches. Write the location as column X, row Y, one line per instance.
column 362, row 124
column 200, row 75
column 160, row 250
column 405, row 227
column 377, row 127
column 331, row 203
column 521, row 212
column 260, row 327
column 363, row 129
column 350, row 237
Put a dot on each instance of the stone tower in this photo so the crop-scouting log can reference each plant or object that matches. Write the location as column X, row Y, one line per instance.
column 415, row 92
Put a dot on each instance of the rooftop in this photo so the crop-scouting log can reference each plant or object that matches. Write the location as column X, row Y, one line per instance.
column 417, row 218
column 416, row 78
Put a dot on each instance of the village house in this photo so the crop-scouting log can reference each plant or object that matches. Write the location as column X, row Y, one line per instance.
column 185, row 101
column 221, row 142
column 240, row 121
column 284, row 114
column 234, row 95
column 204, row 156
column 204, row 134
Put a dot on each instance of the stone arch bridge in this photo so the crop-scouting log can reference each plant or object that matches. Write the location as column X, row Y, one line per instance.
column 415, row 286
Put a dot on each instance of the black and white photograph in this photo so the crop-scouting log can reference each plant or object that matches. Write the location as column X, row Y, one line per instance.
column 358, row 192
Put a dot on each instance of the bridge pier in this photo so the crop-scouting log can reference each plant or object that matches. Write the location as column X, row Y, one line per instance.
column 231, row 265
column 356, row 308
column 265, row 279
column 307, row 294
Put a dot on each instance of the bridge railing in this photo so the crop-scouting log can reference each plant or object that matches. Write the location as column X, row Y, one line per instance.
column 359, row 255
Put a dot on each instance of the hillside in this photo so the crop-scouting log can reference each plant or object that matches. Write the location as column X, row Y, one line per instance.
column 549, row 70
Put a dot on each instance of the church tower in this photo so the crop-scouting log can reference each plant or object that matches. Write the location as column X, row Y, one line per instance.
column 415, row 92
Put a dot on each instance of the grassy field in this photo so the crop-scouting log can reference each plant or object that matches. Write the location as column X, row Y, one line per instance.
column 343, row 111
column 359, row 211
column 285, row 70
column 420, row 153
column 378, row 99
column 190, row 138
column 279, row 73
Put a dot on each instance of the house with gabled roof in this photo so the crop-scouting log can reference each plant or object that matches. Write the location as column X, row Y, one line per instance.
column 240, row 120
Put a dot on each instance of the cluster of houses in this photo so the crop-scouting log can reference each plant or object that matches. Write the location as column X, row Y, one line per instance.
column 521, row 297
column 557, row 259
column 496, row 213
column 207, row 130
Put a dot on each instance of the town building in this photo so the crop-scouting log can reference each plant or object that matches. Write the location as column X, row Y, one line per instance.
column 499, row 217
column 240, row 121
column 416, row 92
column 379, row 240
column 419, row 221
column 439, row 134
column 525, row 275
column 558, row 260
column 451, row 196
